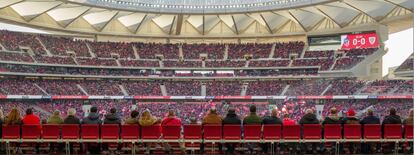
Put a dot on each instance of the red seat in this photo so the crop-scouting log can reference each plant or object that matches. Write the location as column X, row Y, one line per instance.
column 70, row 131
column 372, row 131
column 11, row 131
column 332, row 131
column 31, row 131
column 90, row 131
column 408, row 131
column 291, row 132
column 192, row 131
column 271, row 132
column 110, row 131
column 150, row 132
column 212, row 132
column 312, row 131
column 352, row 131
column 252, row 132
column 171, row 131
column 130, row 131
column 50, row 131
column 392, row 131
column 231, row 132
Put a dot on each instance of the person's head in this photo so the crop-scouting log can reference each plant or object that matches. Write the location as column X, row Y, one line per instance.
column 171, row 113
column 274, row 112
column 393, row 111
column 333, row 111
column 370, row 112
column 286, row 115
column 253, row 109
column 29, row 111
column 56, row 113
column 350, row 113
column 146, row 114
column 94, row 109
column 71, row 112
column 193, row 120
column 14, row 114
column 134, row 114
column 213, row 111
column 309, row 111
column 231, row 111
column 411, row 114
column 1, row 114
column 112, row 110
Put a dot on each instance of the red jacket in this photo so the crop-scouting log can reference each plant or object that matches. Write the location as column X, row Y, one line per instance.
column 31, row 119
column 171, row 121
column 288, row 121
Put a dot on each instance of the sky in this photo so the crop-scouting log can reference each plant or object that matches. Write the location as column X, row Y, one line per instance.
column 400, row 45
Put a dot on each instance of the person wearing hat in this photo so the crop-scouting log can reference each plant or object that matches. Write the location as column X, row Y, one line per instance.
column 350, row 118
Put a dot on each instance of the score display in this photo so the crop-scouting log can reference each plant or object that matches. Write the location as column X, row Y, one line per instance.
column 365, row 40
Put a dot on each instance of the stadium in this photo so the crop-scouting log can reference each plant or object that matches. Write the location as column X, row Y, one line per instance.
column 205, row 77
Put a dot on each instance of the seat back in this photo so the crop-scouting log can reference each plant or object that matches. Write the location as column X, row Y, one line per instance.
column 372, row 131
column 252, row 132
column 51, row 131
column 231, row 132
column 192, row 131
column 151, row 132
column 352, row 131
column 408, row 131
column 392, row 131
column 11, row 131
column 332, row 131
column 90, row 131
column 110, row 131
column 312, row 131
column 70, row 131
column 171, row 131
column 291, row 132
column 212, row 132
column 272, row 131
column 30, row 131
column 130, row 132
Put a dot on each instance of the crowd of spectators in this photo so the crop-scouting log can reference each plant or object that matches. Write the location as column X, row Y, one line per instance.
column 60, row 87
column 345, row 86
column 226, row 88
column 144, row 88
column 405, row 88
column 106, row 49
column 319, row 54
column 96, row 62
column 61, row 45
column 138, row 63
column 106, row 87
column 382, row 86
column 283, row 50
column 227, row 63
column 213, row 51
column 54, row 60
column 18, row 87
column 18, row 57
column 238, row 51
column 150, row 50
column 13, row 41
column 359, row 52
column 346, row 63
column 324, row 64
column 307, row 87
column 265, row 88
column 183, row 88
column 269, row 63
column 186, row 64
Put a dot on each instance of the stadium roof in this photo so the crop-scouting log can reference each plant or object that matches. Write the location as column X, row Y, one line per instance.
column 205, row 18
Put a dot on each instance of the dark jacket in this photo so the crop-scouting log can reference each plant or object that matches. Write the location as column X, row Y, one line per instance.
column 252, row 119
column 231, row 118
column 71, row 120
column 271, row 120
column 309, row 119
column 92, row 118
column 112, row 119
column 350, row 120
column 392, row 119
column 370, row 120
column 332, row 120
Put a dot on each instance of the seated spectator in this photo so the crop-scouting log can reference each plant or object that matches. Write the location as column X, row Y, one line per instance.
column 13, row 118
column 71, row 118
column 112, row 117
column 171, row 119
column 252, row 118
column 350, row 119
column 31, row 118
column 133, row 119
column 333, row 117
column 409, row 119
column 231, row 118
column 272, row 119
column 370, row 118
column 193, row 120
column 309, row 118
column 1, row 117
column 93, row 117
column 212, row 117
column 287, row 120
column 55, row 118
column 147, row 119
column 393, row 118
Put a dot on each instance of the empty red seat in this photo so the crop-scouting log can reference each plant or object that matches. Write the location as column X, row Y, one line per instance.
column 372, row 131
column 150, row 132
column 231, row 132
column 272, row 132
column 312, row 131
column 30, row 131
column 332, row 131
column 110, row 131
column 291, row 132
column 252, row 132
column 50, row 131
column 408, row 131
column 11, row 131
column 392, row 131
column 352, row 131
column 90, row 131
column 70, row 131
column 171, row 131
column 130, row 131
column 192, row 131
column 212, row 132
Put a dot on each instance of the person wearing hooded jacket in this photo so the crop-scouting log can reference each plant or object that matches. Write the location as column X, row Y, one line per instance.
column 370, row 118
column 393, row 118
column 333, row 117
column 350, row 118
column 93, row 117
column 112, row 117
column 231, row 118
column 309, row 118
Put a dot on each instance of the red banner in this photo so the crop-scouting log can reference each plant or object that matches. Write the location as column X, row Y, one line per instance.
column 366, row 40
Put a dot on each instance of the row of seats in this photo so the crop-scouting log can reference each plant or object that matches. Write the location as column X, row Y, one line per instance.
column 210, row 132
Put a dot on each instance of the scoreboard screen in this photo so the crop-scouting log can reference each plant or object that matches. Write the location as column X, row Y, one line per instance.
column 364, row 40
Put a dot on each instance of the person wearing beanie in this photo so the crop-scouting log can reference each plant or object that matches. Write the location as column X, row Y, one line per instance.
column 350, row 118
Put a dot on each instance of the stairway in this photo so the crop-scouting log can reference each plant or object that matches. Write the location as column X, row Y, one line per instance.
column 272, row 51
column 41, row 110
column 326, row 89
column 180, row 51
column 123, row 90
column 203, row 89
column 333, row 64
column 367, row 83
column 41, row 89
column 163, row 90
column 285, row 90
column 226, row 52
column 305, row 48
column 203, row 64
column 82, row 90
column 44, row 47
column 135, row 52
column 244, row 89
column 90, row 50
column 118, row 63
column 247, row 63
column 76, row 61
column 161, row 64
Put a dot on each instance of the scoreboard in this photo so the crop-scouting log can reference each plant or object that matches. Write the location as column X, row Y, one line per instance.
column 363, row 40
